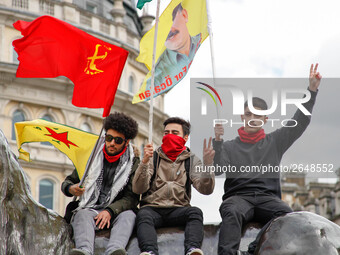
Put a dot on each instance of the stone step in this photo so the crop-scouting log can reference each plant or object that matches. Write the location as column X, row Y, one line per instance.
column 171, row 240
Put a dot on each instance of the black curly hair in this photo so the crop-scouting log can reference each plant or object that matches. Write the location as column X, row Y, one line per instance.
column 185, row 124
column 122, row 123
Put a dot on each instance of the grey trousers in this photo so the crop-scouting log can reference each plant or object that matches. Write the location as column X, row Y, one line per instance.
column 84, row 227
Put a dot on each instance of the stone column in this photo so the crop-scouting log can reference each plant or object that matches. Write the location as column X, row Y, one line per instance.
column 146, row 22
column 118, row 12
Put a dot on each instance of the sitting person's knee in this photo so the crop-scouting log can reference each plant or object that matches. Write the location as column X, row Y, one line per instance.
column 143, row 215
column 195, row 213
column 229, row 209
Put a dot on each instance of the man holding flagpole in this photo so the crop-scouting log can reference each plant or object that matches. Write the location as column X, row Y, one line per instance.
column 164, row 177
column 106, row 197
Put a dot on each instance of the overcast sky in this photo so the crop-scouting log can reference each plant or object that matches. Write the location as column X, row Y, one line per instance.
column 271, row 38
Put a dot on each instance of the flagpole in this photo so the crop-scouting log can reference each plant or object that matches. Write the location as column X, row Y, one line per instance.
column 212, row 54
column 88, row 166
column 153, row 73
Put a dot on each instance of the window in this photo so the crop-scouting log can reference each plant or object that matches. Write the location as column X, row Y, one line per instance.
column 91, row 8
column 18, row 116
column 48, row 118
column 131, row 84
column 86, row 127
column 15, row 57
column 46, row 188
column 20, row 4
column 46, row 7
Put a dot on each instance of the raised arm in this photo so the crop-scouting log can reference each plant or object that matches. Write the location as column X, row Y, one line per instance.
column 293, row 129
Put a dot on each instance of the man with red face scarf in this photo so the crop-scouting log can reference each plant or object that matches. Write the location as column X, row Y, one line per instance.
column 161, row 178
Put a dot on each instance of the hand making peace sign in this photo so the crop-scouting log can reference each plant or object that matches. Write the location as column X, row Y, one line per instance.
column 208, row 152
column 314, row 78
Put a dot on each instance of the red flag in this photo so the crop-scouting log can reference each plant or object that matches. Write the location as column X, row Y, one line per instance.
column 51, row 48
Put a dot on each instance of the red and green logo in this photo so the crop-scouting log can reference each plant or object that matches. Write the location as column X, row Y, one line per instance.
column 209, row 93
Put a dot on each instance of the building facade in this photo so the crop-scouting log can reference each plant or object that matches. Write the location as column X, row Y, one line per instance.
column 315, row 197
column 116, row 22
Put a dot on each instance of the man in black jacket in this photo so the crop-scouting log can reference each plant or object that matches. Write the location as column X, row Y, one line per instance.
column 254, row 196
column 106, row 198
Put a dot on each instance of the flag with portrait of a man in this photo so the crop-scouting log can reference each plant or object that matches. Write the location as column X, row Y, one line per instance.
column 183, row 26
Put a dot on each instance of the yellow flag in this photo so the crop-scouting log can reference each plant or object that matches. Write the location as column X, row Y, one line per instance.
column 182, row 28
column 76, row 144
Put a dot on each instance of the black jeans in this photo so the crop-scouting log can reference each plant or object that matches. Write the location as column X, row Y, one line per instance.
column 238, row 210
column 150, row 218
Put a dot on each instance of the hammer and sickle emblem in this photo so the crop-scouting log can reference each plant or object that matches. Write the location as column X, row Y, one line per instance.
column 91, row 67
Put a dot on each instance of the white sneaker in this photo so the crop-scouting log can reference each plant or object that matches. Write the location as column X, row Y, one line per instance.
column 195, row 251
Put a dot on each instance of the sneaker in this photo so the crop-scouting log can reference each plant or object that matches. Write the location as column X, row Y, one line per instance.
column 147, row 253
column 79, row 252
column 195, row 251
column 119, row 252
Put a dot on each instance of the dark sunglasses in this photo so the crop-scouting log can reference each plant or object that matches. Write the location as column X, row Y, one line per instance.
column 118, row 140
